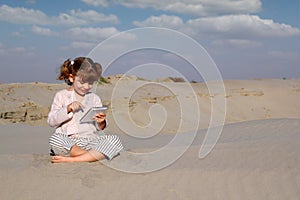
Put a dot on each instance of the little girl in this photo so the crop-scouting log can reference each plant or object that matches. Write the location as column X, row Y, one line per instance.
column 74, row 141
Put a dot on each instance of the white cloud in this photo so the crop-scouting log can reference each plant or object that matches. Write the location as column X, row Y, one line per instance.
column 78, row 17
column 20, row 15
column 237, row 43
column 190, row 7
column 96, row 34
column 92, row 34
column 103, row 3
column 43, row 31
column 82, row 45
column 227, row 26
column 242, row 26
column 18, row 50
column 23, row 15
column 17, row 34
column 161, row 21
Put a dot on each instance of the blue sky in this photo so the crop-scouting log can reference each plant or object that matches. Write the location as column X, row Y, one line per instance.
column 245, row 38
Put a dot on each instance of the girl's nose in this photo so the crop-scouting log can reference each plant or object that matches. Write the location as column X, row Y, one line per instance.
column 87, row 86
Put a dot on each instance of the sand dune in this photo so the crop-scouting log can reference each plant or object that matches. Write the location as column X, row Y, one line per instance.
column 256, row 156
column 245, row 100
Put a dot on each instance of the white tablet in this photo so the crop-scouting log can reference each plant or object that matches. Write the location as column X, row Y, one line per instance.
column 88, row 116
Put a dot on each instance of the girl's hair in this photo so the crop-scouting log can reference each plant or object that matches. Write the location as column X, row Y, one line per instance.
column 84, row 67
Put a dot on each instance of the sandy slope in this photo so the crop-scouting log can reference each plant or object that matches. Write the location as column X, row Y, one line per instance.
column 252, row 160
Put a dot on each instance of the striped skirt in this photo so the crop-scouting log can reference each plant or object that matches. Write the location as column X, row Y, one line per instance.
column 109, row 145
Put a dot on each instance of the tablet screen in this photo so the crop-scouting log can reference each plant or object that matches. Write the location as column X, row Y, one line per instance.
column 88, row 116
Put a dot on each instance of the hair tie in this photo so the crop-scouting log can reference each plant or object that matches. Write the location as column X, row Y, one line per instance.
column 72, row 62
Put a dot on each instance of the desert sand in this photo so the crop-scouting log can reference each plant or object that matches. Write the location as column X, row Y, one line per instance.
column 255, row 157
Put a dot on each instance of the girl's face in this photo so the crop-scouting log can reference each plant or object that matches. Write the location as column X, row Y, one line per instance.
column 81, row 87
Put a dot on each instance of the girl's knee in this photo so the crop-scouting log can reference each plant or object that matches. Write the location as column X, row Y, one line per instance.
column 77, row 151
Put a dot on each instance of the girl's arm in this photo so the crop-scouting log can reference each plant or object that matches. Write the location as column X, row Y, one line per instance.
column 59, row 112
column 100, row 118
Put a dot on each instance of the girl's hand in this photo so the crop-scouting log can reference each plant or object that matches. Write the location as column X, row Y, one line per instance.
column 74, row 107
column 100, row 117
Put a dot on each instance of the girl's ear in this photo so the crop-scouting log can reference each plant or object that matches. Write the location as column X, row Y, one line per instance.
column 71, row 78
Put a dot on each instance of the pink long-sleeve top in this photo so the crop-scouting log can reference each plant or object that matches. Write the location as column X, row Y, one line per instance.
column 69, row 123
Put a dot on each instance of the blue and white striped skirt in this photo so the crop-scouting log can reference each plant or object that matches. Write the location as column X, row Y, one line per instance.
column 109, row 145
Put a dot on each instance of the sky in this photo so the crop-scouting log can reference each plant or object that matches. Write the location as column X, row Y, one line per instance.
column 244, row 39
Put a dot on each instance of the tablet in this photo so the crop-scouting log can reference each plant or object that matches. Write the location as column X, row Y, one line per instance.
column 88, row 116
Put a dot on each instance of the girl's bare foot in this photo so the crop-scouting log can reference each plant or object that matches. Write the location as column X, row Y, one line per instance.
column 59, row 159
column 90, row 156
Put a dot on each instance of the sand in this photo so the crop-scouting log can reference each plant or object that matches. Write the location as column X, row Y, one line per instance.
column 256, row 157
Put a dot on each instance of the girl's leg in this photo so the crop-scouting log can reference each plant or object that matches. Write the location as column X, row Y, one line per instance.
column 77, row 151
column 82, row 156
